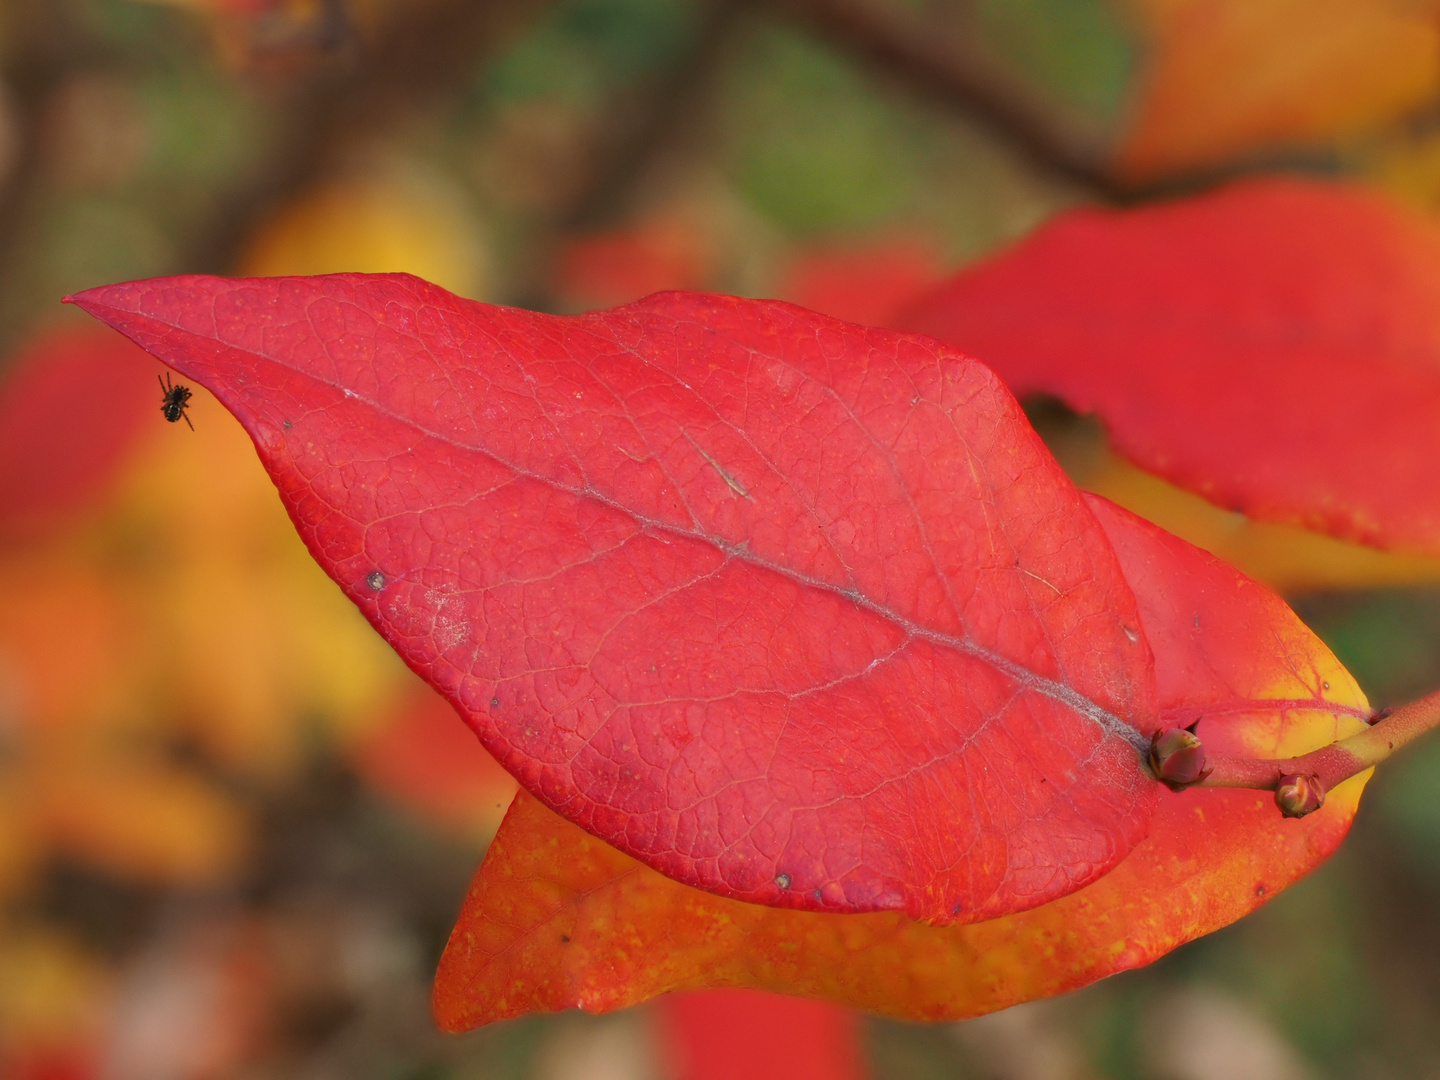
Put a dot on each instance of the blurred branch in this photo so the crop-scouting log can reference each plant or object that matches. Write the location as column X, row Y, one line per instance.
column 963, row 78
column 415, row 63
column 42, row 56
column 648, row 128
column 669, row 107
column 946, row 68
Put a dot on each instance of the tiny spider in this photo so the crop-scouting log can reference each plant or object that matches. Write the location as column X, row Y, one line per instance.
column 175, row 401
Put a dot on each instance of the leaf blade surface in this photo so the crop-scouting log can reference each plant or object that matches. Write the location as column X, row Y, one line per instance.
column 790, row 610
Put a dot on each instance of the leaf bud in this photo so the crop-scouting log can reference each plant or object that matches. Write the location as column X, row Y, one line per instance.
column 1177, row 759
column 1299, row 795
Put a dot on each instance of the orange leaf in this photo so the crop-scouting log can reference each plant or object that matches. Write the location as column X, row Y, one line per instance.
column 142, row 821
column 555, row 918
column 66, row 641
column 1232, row 76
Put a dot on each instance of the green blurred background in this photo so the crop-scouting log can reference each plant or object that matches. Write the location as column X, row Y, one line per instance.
column 233, row 829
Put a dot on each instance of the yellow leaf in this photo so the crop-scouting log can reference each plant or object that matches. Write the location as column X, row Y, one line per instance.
column 251, row 639
column 400, row 218
column 50, row 991
column 1288, row 559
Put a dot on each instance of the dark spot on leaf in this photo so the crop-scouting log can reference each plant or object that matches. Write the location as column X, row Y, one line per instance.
column 817, row 896
column 494, row 702
column 783, row 880
column 1259, row 890
column 376, row 580
column 286, row 424
column 564, row 939
column 957, row 909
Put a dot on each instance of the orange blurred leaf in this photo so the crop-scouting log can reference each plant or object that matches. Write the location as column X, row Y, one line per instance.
column 251, row 634
column 66, row 641
column 1230, row 77
column 141, row 820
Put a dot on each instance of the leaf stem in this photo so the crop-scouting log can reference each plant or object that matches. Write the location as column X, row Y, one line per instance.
column 1334, row 763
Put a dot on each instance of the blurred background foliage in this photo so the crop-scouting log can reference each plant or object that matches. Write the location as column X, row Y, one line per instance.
column 233, row 828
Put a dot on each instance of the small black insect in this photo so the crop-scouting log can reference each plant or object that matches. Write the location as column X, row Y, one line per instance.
column 175, row 401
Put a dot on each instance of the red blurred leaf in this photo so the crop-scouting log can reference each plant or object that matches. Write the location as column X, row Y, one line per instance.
column 790, row 610
column 724, row 1034
column 69, row 409
column 865, row 285
column 604, row 269
column 57, row 1063
column 1273, row 346
column 555, row 919
column 424, row 760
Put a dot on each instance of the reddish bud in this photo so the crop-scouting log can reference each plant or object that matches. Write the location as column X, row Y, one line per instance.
column 1177, row 758
column 1299, row 795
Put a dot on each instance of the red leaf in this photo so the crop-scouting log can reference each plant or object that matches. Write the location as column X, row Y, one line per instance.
column 601, row 269
column 794, row 611
column 725, row 1034
column 863, row 284
column 1273, row 346
column 555, row 919
column 424, row 760
column 69, row 410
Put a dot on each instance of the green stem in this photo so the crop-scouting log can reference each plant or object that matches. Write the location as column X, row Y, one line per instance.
column 1334, row 763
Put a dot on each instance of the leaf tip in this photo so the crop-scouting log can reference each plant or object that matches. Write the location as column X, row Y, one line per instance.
column 87, row 300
